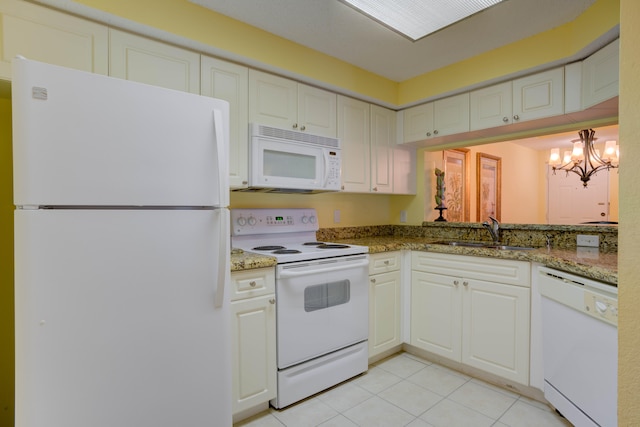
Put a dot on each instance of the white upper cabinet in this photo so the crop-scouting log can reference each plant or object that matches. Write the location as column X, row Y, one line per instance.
column 528, row 98
column 228, row 81
column 443, row 117
column 600, row 75
column 148, row 61
column 283, row 103
column 383, row 141
column 45, row 35
column 353, row 132
column 538, row 96
column 490, row 106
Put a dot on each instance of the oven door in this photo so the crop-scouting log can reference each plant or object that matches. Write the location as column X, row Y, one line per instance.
column 283, row 164
column 323, row 305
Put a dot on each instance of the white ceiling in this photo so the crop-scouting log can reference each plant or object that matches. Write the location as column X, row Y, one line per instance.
column 331, row 27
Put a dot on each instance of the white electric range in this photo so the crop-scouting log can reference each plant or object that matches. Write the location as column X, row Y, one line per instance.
column 322, row 299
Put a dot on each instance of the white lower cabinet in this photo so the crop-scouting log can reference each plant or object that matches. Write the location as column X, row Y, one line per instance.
column 384, row 302
column 253, row 332
column 473, row 310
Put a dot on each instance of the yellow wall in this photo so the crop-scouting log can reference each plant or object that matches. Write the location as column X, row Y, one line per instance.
column 6, row 267
column 629, row 235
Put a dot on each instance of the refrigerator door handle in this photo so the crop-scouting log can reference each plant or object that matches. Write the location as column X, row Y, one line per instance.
column 224, row 254
column 223, row 158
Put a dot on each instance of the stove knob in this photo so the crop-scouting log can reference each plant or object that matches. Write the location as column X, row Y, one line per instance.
column 252, row 220
column 312, row 219
column 242, row 221
column 305, row 219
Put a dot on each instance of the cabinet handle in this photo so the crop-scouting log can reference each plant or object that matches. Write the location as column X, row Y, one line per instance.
column 373, row 280
column 505, row 119
column 465, row 283
column 516, row 117
column 252, row 283
column 303, row 128
column 295, row 126
column 272, row 301
column 435, row 132
column 455, row 282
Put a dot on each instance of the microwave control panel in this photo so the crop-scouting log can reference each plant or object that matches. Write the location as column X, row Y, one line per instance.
column 333, row 171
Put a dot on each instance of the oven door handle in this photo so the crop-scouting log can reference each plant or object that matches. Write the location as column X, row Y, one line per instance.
column 328, row 267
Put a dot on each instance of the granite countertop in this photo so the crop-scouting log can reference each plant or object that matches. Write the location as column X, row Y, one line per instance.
column 593, row 264
column 241, row 260
column 585, row 262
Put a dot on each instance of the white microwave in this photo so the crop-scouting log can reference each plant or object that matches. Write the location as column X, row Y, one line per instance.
column 287, row 161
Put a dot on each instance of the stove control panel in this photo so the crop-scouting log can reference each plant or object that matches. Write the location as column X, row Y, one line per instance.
column 268, row 221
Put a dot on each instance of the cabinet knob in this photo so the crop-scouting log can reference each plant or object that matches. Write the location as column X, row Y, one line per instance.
column 386, row 262
column 455, row 282
column 465, row 283
column 272, row 301
column 252, row 283
column 516, row 117
column 505, row 119
column 295, row 126
column 373, row 280
column 375, row 188
column 435, row 132
column 428, row 133
column 303, row 128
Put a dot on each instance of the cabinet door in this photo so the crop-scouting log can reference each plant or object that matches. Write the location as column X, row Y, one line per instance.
column 383, row 134
column 148, row 61
column 254, row 352
column 224, row 80
column 353, row 132
column 600, row 75
column 496, row 329
column 490, row 106
column 273, row 100
column 451, row 115
column 418, row 123
column 317, row 111
column 436, row 317
column 45, row 35
column 540, row 95
column 384, row 312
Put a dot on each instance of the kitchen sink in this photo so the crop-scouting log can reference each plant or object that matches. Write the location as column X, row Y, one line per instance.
column 487, row 245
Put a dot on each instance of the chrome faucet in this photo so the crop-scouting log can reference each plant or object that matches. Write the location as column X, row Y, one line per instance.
column 494, row 229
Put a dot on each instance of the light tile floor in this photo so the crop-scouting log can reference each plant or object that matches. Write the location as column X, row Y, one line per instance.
column 404, row 390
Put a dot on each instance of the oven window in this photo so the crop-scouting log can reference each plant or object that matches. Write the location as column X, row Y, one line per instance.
column 289, row 165
column 325, row 295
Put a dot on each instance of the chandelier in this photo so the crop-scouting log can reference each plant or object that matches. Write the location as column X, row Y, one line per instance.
column 585, row 160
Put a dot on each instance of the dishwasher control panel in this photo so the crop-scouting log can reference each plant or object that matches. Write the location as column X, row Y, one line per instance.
column 601, row 307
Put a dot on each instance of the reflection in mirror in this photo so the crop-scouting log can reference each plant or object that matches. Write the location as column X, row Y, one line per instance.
column 530, row 192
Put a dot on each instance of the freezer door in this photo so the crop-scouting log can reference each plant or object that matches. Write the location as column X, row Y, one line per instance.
column 86, row 139
column 118, row 321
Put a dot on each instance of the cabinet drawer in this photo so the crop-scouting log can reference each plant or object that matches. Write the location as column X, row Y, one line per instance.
column 490, row 269
column 384, row 262
column 252, row 283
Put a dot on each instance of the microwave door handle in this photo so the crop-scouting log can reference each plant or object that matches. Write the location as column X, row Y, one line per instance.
column 326, row 167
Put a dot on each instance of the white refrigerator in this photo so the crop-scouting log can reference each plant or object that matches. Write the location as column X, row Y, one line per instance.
column 121, row 252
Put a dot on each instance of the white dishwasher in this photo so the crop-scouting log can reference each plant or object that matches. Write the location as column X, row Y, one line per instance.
column 580, row 347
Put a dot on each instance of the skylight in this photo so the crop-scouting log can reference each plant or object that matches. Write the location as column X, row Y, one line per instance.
column 416, row 19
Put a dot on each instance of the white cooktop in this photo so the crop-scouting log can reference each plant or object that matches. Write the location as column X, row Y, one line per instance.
column 284, row 232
